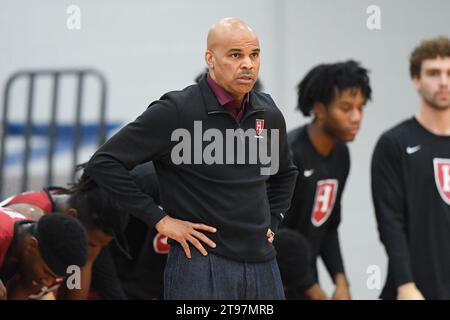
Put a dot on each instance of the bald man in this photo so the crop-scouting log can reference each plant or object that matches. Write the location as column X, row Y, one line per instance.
column 225, row 174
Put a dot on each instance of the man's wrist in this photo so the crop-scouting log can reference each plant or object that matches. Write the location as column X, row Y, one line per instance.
column 406, row 287
column 340, row 280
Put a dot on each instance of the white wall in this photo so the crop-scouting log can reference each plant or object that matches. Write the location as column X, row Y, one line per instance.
column 146, row 48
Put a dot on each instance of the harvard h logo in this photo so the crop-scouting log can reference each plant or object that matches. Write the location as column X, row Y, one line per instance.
column 442, row 177
column 259, row 127
column 324, row 199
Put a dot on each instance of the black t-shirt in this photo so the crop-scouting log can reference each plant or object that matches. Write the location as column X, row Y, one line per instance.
column 316, row 205
column 411, row 194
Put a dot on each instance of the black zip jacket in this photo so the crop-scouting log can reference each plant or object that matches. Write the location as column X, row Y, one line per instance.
column 234, row 198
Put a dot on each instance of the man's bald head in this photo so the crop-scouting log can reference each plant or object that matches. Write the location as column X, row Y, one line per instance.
column 226, row 28
column 232, row 56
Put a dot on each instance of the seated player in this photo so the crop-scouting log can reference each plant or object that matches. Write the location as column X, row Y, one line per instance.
column 34, row 256
column 101, row 216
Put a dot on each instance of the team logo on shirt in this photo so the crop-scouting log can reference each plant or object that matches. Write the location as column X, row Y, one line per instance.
column 259, row 127
column 160, row 244
column 324, row 199
column 442, row 177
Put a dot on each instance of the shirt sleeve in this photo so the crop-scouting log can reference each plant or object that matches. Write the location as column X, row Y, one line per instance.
column 280, row 186
column 389, row 201
column 144, row 175
column 147, row 138
column 330, row 250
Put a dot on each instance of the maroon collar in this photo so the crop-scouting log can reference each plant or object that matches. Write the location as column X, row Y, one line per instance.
column 224, row 97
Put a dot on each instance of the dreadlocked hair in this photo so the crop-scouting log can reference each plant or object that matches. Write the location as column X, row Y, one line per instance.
column 323, row 82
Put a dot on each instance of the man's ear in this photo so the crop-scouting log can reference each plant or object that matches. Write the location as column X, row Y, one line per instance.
column 319, row 110
column 416, row 82
column 73, row 212
column 31, row 243
column 209, row 59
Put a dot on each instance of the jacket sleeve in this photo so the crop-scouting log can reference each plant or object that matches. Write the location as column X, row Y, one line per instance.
column 280, row 186
column 145, row 139
column 389, row 201
column 144, row 175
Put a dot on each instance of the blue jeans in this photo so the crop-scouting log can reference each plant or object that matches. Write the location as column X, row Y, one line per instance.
column 217, row 278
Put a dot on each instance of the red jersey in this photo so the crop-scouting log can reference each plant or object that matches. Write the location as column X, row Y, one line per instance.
column 8, row 219
column 40, row 199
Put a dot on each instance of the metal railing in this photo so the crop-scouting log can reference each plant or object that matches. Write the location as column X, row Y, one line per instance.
column 33, row 76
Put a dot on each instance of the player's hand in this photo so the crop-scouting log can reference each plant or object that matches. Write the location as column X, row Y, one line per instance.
column 409, row 291
column 184, row 232
column 315, row 292
column 270, row 235
column 2, row 291
column 342, row 290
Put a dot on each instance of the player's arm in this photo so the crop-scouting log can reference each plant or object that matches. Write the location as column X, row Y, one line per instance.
column 330, row 250
column 315, row 292
column 331, row 255
column 388, row 197
column 311, row 287
column 3, row 292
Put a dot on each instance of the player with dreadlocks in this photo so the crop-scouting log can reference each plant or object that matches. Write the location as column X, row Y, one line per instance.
column 335, row 94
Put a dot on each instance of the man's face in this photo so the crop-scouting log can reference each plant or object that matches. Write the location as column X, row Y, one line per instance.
column 342, row 118
column 36, row 271
column 434, row 82
column 234, row 62
column 97, row 239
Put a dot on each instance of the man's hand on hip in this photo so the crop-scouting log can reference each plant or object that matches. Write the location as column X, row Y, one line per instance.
column 270, row 235
column 184, row 232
